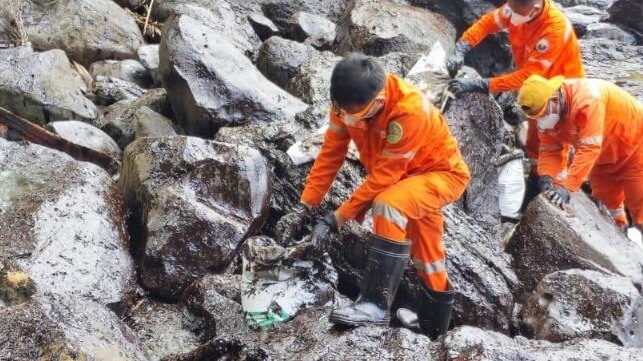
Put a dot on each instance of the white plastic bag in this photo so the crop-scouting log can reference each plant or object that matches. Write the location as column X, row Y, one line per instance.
column 512, row 188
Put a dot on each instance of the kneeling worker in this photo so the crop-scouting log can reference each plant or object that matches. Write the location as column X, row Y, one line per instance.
column 605, row 126
column 414, row 169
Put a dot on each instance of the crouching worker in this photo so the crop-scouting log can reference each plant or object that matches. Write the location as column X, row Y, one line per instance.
column 414, row 169
column 605, row 126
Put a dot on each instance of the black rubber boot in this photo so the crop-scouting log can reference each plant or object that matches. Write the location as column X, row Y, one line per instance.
column 386, row 263
column 434, row 315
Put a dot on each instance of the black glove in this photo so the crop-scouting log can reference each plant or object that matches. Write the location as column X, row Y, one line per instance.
column 559, row 196
column 468, row 85
column 289, row 225
column 545, row 183
column 321, row 232
column 456, row 60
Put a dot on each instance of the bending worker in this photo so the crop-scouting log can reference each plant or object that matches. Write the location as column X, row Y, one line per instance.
column 414, row 169
column 542, row 42
column 604, row 124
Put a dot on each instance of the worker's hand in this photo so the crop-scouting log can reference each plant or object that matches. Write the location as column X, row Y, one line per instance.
column 545, row 183
column 322, row 231
column 290, row 224
column 456, row 60
column 559, row 196
column 468, row 85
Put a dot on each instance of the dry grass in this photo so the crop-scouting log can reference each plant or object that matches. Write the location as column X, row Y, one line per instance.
column 17, row 279
column 84, row 74
column 11, row 17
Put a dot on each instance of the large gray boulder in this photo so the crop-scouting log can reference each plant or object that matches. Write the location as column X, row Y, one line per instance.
column 121, row 120
column 597, row 4
column 462, row 13
column 227, row 17
column 86, row 135
column 611, row 32
column 584, row 304
column 582, row 17
column 193, row 201
column 549, row 239
column 128, row 70
column 212, row 84
column 614, row 61
column 380, row 27
column 280, row 12
column 628, row 14
column 63, row 224
column 148, row 55
column 312, row 83
column 304, row 25
column 109, row 90
column 87, row 30
column 281, row 59
column 42, row 87
column 472, row 344
column 263, row 26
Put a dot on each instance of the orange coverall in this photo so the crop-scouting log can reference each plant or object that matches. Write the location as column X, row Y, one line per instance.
column 414, row 168
column 605, row 125
column 546, row 45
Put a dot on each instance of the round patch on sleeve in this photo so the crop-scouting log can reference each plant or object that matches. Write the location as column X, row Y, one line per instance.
column 394, row 132
column 542, row 45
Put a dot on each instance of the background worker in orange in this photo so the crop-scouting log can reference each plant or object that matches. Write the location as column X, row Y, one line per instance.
column 542, row 42
column 414, row 169
column 605, row 125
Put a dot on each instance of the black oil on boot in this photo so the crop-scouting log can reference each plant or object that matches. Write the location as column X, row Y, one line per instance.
column 434, row 315
column 386, row 263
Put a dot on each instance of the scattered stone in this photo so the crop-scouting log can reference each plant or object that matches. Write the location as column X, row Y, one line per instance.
column 549, row 239
column 86, row 135
column 583, row 304
column 461, row 13
column 280, row 12
column 149, row 123
column 176, row 186
column 148, row 55
column 374, row 28
column 312, row 83
column 473, row 344
column 42, row 87
column 129, row 70
column 609, row 31
column 304, row 25
column 108, row 90
column 87, row 30
column 233, row 93
column 281, row 59
column 581, row 17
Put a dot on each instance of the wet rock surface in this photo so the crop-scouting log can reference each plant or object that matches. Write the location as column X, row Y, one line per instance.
column 128, row 70
column 148, row 55
column 42, row 87
column 63, row 223
column 583, row 304
column 263, row 26
column 215, row 192
column 304, row 25
column 374, row 28
column 549, row 239
column 611, row 32
column 471, row 344
column 234, row 91
column 281, row 59
column 627, row 13
column 614, row 61
column 280, row 12
column 120, row 120
column 109, row 90
column 86, row 135
column 87, row 30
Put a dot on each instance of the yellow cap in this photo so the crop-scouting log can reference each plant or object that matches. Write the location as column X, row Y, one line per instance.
column 536, row 91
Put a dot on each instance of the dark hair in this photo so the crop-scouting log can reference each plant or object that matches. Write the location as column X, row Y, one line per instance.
column 525, row 2
column 356, row 79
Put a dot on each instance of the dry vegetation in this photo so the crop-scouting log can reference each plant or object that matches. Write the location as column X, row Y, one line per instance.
column 11, row 20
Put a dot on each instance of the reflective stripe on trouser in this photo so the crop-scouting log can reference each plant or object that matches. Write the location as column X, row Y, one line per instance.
column 411, row 209
column 621, row 184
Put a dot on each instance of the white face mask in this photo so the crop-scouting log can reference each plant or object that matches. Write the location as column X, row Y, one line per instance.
column 517, row 19
column 547, row 122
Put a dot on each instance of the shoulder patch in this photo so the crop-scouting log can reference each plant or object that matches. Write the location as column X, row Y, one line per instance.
column 394, row 132
column 542, row 45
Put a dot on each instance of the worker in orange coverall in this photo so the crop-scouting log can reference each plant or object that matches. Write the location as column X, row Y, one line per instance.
column 604, row 124
column 542, row 42
column 414, row 168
